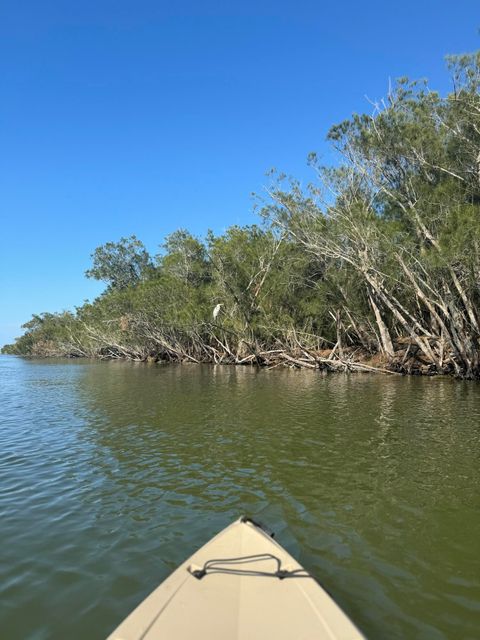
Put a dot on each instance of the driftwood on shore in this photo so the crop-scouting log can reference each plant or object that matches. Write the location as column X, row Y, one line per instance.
column 135, row 338
column 212, row 344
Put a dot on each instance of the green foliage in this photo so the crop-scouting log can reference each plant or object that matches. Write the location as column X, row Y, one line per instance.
column 185, row 258
column 120, row 264
column 43, row 334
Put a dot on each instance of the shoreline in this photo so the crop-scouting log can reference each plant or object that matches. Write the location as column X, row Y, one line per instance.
column 353, row 360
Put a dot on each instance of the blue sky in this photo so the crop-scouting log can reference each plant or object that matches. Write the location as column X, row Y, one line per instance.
column 120, row 118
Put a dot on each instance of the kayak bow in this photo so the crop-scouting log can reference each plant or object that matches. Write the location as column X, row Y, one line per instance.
column 243, row 585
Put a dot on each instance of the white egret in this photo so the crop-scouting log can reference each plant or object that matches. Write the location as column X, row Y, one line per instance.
column 216, row 311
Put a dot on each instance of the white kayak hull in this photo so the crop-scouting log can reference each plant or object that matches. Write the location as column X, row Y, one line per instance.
column 231, row 589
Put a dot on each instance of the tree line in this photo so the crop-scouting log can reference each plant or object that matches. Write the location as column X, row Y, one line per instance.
column 374, row 264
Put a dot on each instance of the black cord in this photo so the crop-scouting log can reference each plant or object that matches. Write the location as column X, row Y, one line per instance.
column 218, row 566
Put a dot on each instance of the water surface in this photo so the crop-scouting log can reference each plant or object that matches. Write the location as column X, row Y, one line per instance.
column 113, row 473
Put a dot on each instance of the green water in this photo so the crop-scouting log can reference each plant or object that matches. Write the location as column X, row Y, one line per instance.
column 113, row 473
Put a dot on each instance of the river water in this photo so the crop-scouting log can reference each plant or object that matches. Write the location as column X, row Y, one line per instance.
column 112, row 473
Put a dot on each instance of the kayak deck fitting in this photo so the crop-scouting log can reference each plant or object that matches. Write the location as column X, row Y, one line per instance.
column 241, row 585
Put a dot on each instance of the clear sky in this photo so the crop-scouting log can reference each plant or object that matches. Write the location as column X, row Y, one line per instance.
column 139, row 117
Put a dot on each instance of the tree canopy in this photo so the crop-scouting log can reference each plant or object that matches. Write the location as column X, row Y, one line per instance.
column 120, row 264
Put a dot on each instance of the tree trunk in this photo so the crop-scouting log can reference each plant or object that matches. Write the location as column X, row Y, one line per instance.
column 386, row 341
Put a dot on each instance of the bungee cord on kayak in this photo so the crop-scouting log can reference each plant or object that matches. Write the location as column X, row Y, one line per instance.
column 217, row 566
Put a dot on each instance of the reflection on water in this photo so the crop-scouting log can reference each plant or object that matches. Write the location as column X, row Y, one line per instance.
column 113, row 473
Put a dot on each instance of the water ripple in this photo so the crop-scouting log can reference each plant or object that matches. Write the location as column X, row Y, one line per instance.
column 112, row 473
